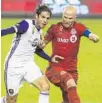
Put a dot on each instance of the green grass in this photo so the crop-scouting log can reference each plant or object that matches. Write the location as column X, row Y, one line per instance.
column 89, row 66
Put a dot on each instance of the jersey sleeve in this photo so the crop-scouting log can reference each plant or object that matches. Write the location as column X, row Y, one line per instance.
column 81, row 29
column 21, row 27
column 7, row 31
column 49, row 35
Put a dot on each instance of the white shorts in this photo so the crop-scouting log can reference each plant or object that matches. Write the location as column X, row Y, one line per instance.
column 15, row 75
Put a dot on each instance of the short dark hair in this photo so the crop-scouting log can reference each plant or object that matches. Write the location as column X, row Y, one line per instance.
column 42, row 8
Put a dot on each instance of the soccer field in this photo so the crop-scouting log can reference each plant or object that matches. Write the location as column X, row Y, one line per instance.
column 89, row 66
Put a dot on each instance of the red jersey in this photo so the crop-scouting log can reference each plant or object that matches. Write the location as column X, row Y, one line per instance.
column 65, row 43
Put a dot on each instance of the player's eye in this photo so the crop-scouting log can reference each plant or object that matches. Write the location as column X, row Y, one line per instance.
column 47, row 18
column 43, row 16
column 65, row 17
column 70, row 18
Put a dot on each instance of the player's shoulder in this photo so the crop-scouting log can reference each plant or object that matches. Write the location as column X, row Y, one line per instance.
column 55, row 26
column 79, row 27
column 29, row 21
column 78, row 24
column 23, row 22
column 51, row 27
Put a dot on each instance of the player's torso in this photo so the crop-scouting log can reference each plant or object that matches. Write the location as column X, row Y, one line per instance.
column 66, row 41
column 24, row 45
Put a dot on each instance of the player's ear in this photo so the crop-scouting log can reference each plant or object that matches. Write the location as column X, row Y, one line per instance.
column 36, row 16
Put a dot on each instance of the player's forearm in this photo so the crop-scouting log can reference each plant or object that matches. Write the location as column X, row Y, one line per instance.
column 6, row 31
column 42, row 54
column 93, row 37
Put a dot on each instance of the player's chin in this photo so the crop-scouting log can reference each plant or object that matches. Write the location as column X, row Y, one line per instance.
column 66, row 26
column 43, row 26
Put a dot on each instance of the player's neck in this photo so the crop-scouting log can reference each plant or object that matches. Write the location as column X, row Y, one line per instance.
column 36, row 25
column 69, row 26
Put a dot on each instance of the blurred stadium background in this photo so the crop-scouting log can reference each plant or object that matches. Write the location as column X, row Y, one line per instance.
column 24, row 8
column 90, row 55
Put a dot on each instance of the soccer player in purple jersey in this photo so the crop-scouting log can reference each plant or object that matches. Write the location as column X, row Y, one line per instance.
column 19, row 63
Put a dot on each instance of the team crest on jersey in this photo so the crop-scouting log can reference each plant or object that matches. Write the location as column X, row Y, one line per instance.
column 73, row 31
column 73, row 37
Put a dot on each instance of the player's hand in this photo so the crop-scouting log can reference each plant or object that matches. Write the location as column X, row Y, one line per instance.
column 93, row 37
column 57, row 59
column 41, row 44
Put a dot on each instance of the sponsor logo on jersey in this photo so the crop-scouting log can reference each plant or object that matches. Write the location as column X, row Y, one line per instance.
column 62, row 40
column 73, row 38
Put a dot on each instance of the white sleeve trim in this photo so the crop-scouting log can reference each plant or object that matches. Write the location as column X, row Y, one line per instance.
column 15, row 28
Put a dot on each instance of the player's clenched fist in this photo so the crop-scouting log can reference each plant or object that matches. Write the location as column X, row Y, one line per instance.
column 41, row 44
column 93, row 37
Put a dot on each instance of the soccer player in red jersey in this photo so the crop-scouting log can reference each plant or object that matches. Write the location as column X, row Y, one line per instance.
column 65, row 37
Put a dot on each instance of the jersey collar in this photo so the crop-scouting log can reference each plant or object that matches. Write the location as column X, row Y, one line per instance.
column 35, row 25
